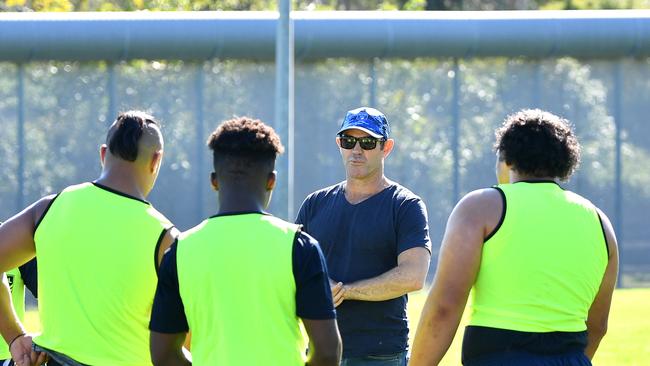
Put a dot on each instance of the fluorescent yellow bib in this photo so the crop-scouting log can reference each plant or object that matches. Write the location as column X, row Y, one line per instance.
column 96, row 275
column 542, row 269
column 236, row 281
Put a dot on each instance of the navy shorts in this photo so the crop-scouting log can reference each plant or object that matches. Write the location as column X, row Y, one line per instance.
column 519, row 358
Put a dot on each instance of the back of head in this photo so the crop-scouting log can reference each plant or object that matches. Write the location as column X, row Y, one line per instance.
column 538, row 144
column 132, row 133
column 244, row 148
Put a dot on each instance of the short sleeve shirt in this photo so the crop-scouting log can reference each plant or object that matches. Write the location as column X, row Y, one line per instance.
column 363, row 241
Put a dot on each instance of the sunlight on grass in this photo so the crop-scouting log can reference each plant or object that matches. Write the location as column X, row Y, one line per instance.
column 627, row 342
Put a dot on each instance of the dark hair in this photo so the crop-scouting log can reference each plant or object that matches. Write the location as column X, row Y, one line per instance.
column 539, row 144
column 124, row 135
column 241, row 143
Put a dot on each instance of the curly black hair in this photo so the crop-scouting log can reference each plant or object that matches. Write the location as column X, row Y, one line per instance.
column 538, row 144
column 239, row 143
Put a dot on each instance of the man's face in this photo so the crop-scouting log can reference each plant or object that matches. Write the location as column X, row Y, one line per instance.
column 360, row 163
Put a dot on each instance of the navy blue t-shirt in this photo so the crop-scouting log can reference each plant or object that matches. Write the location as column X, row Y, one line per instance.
column 363, row 241
column 313, row 294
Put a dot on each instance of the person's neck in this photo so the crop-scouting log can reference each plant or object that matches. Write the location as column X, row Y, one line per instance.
column 234, row 201
column 357, row 190
column 516, row 177
column 121, row 180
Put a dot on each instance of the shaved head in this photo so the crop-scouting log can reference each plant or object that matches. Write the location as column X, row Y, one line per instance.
column 134, row 135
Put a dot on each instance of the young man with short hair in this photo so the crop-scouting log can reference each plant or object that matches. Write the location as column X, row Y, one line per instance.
column 242, row 280
column 98, row 246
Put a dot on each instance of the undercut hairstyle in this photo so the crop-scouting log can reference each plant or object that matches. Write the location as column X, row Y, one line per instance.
column 539, row 144
column 244, row 147
column 124, row 136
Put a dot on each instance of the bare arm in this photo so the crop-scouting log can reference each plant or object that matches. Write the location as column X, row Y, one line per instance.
column 324, row 342
column 458, row 264
column 17, row 235
column 409, row 275
column 167, row 349
column 10, row 325
column 599, row 311
column 16, row 248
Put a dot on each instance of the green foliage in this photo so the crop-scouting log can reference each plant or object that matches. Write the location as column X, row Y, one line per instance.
column 198, row 5
column 67, row 112
column 594, row 4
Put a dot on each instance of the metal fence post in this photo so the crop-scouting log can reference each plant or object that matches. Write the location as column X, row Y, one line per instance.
column 200, row 139
column 618, row 183
column 20, row 137
column 284, row 99
column 455, row 128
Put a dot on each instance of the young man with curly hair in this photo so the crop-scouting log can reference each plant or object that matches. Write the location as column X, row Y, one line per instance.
column 242, row 280
column 541, row 261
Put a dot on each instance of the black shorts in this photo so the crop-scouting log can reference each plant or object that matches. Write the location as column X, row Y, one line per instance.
column 520, row 358
column 7, row 363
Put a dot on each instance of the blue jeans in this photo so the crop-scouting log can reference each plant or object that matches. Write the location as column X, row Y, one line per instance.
column 396, row 359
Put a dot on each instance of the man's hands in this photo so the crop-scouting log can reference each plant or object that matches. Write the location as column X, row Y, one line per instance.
column 338, row 292
column 23, row 354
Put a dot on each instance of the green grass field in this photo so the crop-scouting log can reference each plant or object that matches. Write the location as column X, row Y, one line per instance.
column 627, row 342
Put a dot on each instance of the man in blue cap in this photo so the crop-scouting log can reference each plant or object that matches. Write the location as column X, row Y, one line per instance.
column 375, row 238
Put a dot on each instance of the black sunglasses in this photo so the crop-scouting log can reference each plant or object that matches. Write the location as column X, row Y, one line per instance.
column 366, row 142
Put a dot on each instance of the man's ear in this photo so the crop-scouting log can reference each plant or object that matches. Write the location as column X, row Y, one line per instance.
column 388, row 147
column 213, row 181
column 102, row 153
column 156, row 162
column 271, row 179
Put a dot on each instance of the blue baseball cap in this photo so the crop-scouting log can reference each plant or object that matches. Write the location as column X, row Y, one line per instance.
column 368, row 120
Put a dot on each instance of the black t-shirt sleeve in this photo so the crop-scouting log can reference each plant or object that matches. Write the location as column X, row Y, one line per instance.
column 313, row 293
column 302, row 214
column 412, row 226
column 168, row 313
column 29, row 273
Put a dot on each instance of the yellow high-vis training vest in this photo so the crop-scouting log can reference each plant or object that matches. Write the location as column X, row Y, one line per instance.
column 543, row 267
column 235, row 276
column 96, row 251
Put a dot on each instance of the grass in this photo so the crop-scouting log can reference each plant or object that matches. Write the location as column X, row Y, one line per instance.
column 627, row 342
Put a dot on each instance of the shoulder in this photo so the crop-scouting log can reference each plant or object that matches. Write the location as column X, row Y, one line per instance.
column 39, row 208
column 578, row 199
column 482, row 198
column 608, row 232
column 156, row 215
column 404, row 198
column 77, row 187
column 325, row 193
column 185, row 235
column 305, row 242
column 402, row 194
column 481, row 205
column 307, row 257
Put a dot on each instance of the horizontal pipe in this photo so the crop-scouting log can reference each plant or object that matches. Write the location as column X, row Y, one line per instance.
column 120, row 36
